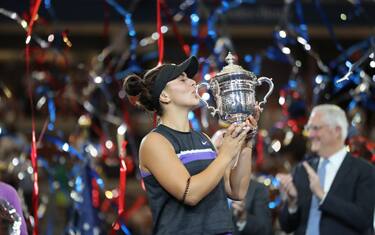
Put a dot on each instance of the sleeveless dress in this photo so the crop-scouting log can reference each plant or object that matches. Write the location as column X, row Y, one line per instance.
column 212, row 214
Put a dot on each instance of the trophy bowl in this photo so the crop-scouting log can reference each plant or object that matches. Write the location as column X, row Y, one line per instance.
column 233, row 89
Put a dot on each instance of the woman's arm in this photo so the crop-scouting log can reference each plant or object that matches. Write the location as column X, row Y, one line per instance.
column 157, row 156
column 237, row 178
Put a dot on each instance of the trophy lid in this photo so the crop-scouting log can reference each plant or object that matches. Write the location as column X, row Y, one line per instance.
column 233, row 68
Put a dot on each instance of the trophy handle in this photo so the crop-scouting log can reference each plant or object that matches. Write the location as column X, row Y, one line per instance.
column 208, row 86
column 270, row 83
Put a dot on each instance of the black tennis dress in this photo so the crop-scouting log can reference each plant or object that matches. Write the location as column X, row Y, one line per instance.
column 212, row 214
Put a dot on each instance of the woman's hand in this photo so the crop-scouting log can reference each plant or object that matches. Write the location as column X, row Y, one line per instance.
column 252, row 122
column 233, row 139
column 239, row 210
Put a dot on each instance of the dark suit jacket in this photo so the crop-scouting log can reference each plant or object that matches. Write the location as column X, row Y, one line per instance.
column 348, row 207
column 258, row 220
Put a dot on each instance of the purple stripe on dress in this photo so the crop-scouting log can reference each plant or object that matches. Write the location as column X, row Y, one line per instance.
column 144, row 174
column 189, row 157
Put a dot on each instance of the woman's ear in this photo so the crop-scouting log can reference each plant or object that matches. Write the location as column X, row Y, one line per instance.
column 164, row 98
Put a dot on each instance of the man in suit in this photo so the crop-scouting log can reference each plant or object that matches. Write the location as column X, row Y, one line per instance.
column 252, row 215
column 331, row 194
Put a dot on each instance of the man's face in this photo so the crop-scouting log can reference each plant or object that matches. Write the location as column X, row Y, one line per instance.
column 323, row 137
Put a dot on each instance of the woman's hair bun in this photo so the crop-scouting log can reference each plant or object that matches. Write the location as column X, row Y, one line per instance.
column 133, row 85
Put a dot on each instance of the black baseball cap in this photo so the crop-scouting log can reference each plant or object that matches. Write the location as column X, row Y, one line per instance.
column 170, row 72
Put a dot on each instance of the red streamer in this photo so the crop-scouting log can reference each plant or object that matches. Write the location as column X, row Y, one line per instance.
column 122, row 188
column 184, row 46
column 34, row 159
column 95, row 193
column 34, row 11
column 259, row 149
column 139, row 202
column 160, row 42
column 161, row 38
column 103, row 138
column 122, row 183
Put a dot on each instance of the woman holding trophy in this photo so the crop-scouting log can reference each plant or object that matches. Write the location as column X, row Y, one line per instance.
column 187, row 181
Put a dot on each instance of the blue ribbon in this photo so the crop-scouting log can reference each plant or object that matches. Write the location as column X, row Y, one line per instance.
column 302, row 26
column 324, row 17
column 194, row 21
column 194, row 122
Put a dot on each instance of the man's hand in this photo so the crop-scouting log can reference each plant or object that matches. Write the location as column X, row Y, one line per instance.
column 314, row 181
column 287, row 186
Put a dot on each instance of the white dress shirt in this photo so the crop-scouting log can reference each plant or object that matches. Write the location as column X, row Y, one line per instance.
column 332, row 167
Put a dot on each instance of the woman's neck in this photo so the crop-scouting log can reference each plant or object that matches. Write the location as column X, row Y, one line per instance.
column 176, row 120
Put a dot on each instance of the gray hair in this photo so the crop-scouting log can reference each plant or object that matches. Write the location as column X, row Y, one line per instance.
column 334, row 116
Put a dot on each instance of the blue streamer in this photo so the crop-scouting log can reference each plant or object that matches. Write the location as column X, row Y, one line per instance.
column 98, row 180
column 324, row 17
column 303, row 27
column 211, row 24
column 274, row 53
column 64, row 146
column 52, row 113
column 153, row 55
column 132, row 35
column 352, row 105
column 43, row 90
column 368, row 101
column 129, row 23
column 254, row 65
column 194, row 122
column 133, row 68
column 49, row 8
column 84, row 217
column 194, row 21
column 205, row 68
column 363, row 45
column 125, row 229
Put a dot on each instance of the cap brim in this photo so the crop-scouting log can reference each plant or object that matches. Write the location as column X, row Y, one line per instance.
column 189, row 66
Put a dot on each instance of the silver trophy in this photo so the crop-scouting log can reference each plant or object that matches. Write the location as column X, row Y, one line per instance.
column 234, row 92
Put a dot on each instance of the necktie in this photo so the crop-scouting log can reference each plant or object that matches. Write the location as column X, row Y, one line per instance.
column 314, row 216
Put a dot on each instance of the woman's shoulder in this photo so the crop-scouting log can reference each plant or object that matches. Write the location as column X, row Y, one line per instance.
column 154, row 140
column 151, row 137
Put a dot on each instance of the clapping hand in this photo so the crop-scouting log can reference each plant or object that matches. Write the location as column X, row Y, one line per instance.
column 314, row 181
column 287, row 186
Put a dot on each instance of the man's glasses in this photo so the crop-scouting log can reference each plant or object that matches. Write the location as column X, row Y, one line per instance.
column 313, row 127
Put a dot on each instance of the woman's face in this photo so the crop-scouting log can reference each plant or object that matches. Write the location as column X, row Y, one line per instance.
column 181, row 91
